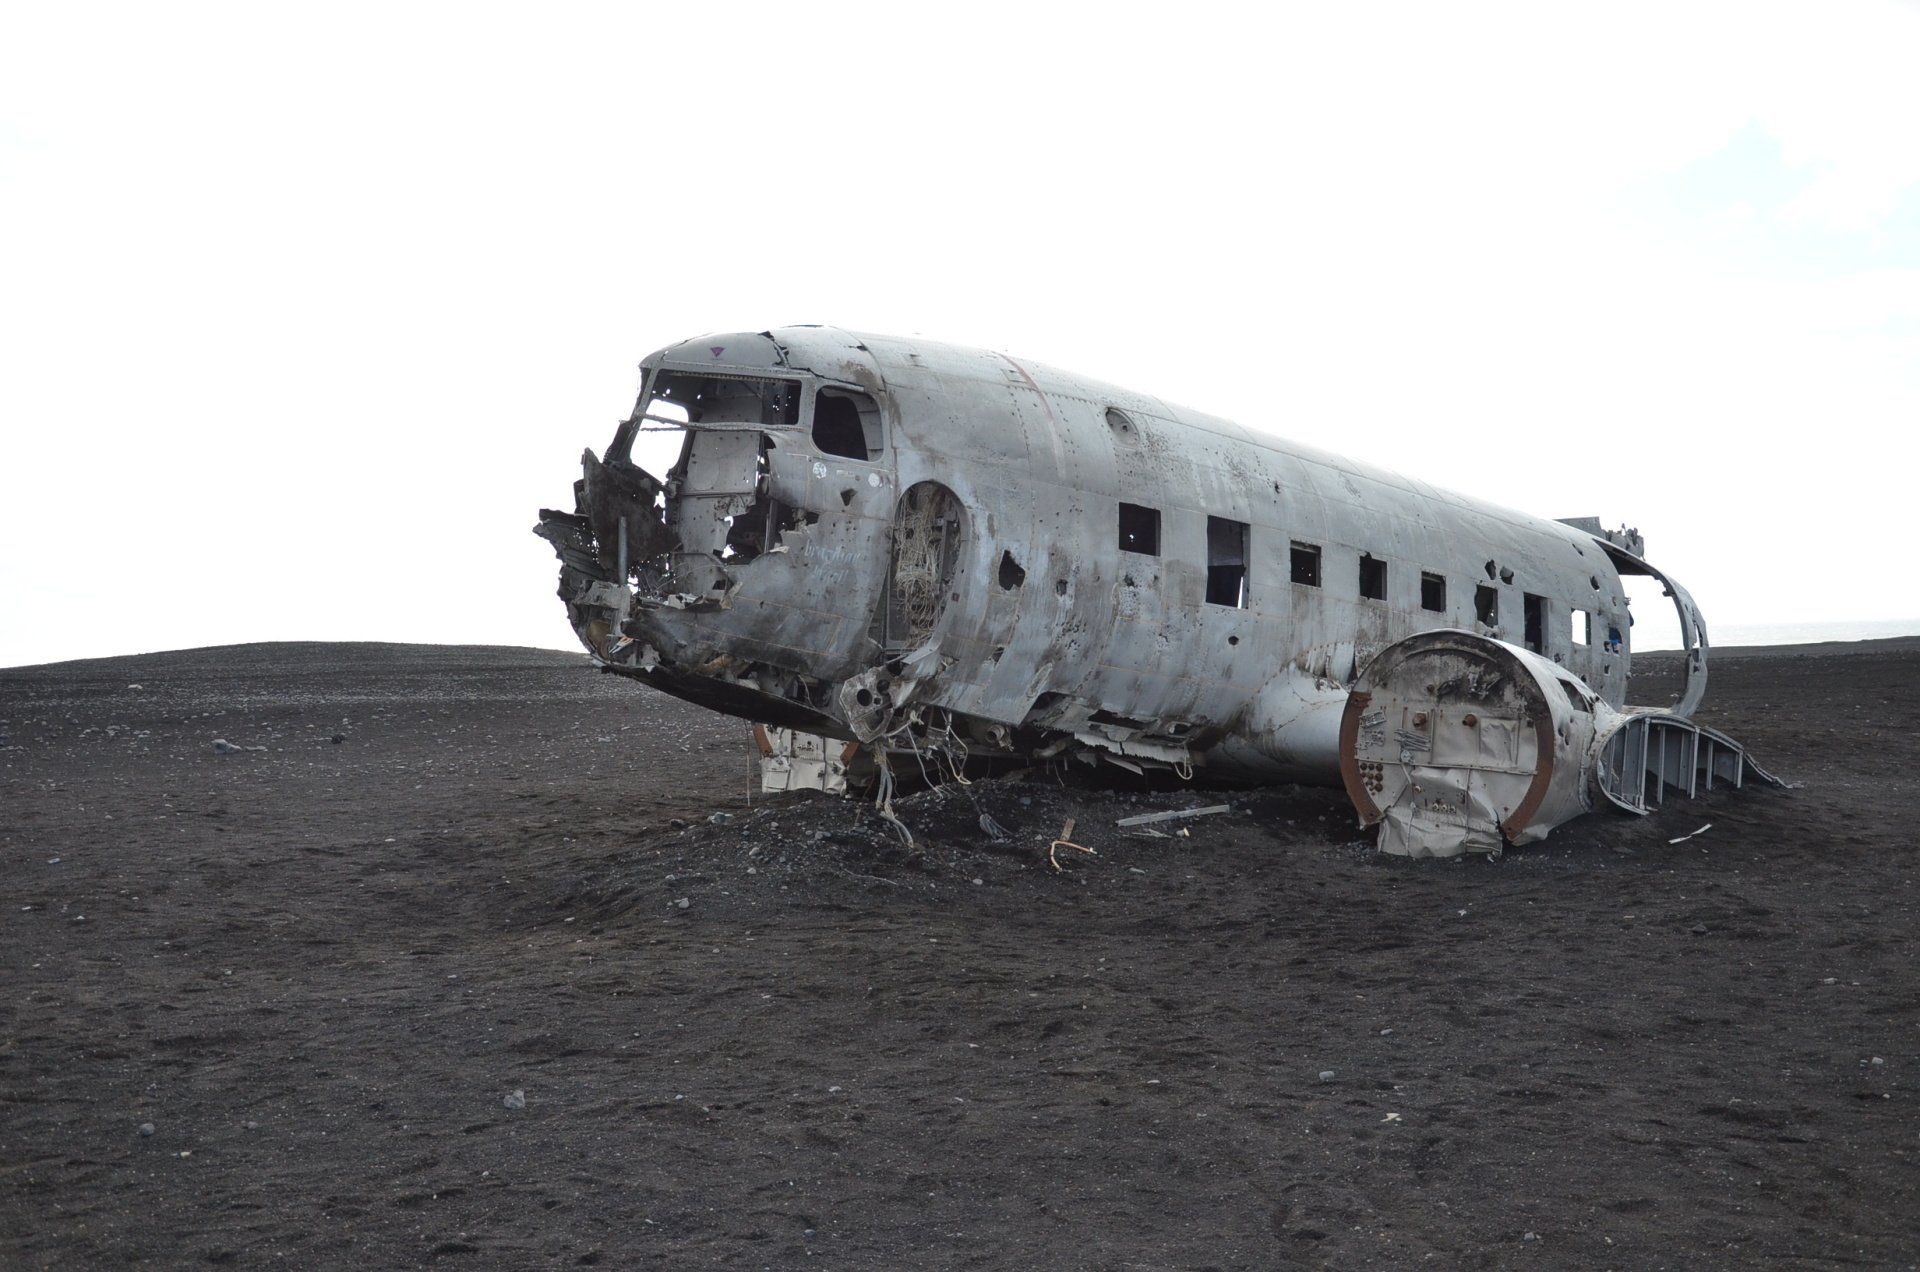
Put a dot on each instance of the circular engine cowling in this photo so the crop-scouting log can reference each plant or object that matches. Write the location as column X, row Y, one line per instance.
column 1453, row 742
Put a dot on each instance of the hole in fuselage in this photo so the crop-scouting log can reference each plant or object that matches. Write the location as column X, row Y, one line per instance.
column 1011, row 575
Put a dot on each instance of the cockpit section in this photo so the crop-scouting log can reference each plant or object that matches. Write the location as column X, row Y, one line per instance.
column 737, row 529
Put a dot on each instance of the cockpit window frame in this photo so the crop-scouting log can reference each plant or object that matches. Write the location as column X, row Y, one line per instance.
column 875, row 441
column 621, row 448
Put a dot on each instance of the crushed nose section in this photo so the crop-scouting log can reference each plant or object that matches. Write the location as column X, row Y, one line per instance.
column 1452, row 742
column 616, row 524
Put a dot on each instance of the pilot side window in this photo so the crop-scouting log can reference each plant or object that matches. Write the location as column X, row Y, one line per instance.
column 1226, row 562
column 1305, row 562
column 1433, row 592
column 1139, row 529
column 1373, row 577
column 846, row 422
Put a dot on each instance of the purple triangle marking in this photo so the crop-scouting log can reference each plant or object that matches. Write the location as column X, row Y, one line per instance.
column 717, row 349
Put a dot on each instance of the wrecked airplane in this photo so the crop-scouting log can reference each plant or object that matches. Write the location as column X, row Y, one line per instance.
column 922, row 549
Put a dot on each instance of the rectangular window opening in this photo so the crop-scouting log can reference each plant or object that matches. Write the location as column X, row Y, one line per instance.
column 1535, row 608
column 1306, row 563
column 1139, row 529
column 1433, row 593
column 1486, row 606
column 1583, row 629
column 846, row 422
column 1373, row 578
column 1226, row 562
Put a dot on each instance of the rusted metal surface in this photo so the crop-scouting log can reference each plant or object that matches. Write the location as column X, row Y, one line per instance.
column 906, row 543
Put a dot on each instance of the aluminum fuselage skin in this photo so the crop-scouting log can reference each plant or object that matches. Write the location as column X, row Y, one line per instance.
column 1108, row 648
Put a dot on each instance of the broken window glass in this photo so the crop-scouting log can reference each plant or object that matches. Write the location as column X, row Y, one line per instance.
column 1139, row 529
column 1433, row 592
column 1226, row 562
column 1305, row 559
column 1373, row 577
column 846, row 422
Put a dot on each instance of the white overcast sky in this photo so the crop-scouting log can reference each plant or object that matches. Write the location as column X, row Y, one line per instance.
column 305, row 310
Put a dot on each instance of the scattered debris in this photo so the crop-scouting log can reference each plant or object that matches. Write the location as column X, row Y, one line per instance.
column 224, row 747
column 1066, row 841
column 516, row 1100
column 1174, row 815
column 1690, row 834
column 719, row 819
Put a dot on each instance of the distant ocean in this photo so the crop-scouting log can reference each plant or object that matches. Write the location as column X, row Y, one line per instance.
column 1727, row 635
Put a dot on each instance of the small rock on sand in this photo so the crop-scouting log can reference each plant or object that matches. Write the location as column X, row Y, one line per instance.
column 516, row 1100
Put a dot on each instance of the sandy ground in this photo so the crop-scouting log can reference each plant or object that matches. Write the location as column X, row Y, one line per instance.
column 272, row 1006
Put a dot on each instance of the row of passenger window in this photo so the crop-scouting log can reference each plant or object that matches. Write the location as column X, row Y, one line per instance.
column 1227, row 575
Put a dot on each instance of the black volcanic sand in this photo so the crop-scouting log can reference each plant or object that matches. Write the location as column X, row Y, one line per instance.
column 269, row 1006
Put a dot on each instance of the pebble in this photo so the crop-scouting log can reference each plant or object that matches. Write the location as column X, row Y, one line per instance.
column 719, row 819
column 146, row 1128
column 1327, row 1075
column 516, row 1100
column 1531, row 1236
column 682, row 902
column 676, row 823
column 338, row 738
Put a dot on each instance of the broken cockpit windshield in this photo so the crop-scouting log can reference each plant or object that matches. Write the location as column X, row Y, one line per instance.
column 677, row 400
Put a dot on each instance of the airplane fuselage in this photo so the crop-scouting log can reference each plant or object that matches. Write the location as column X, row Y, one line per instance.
column 860, row 535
